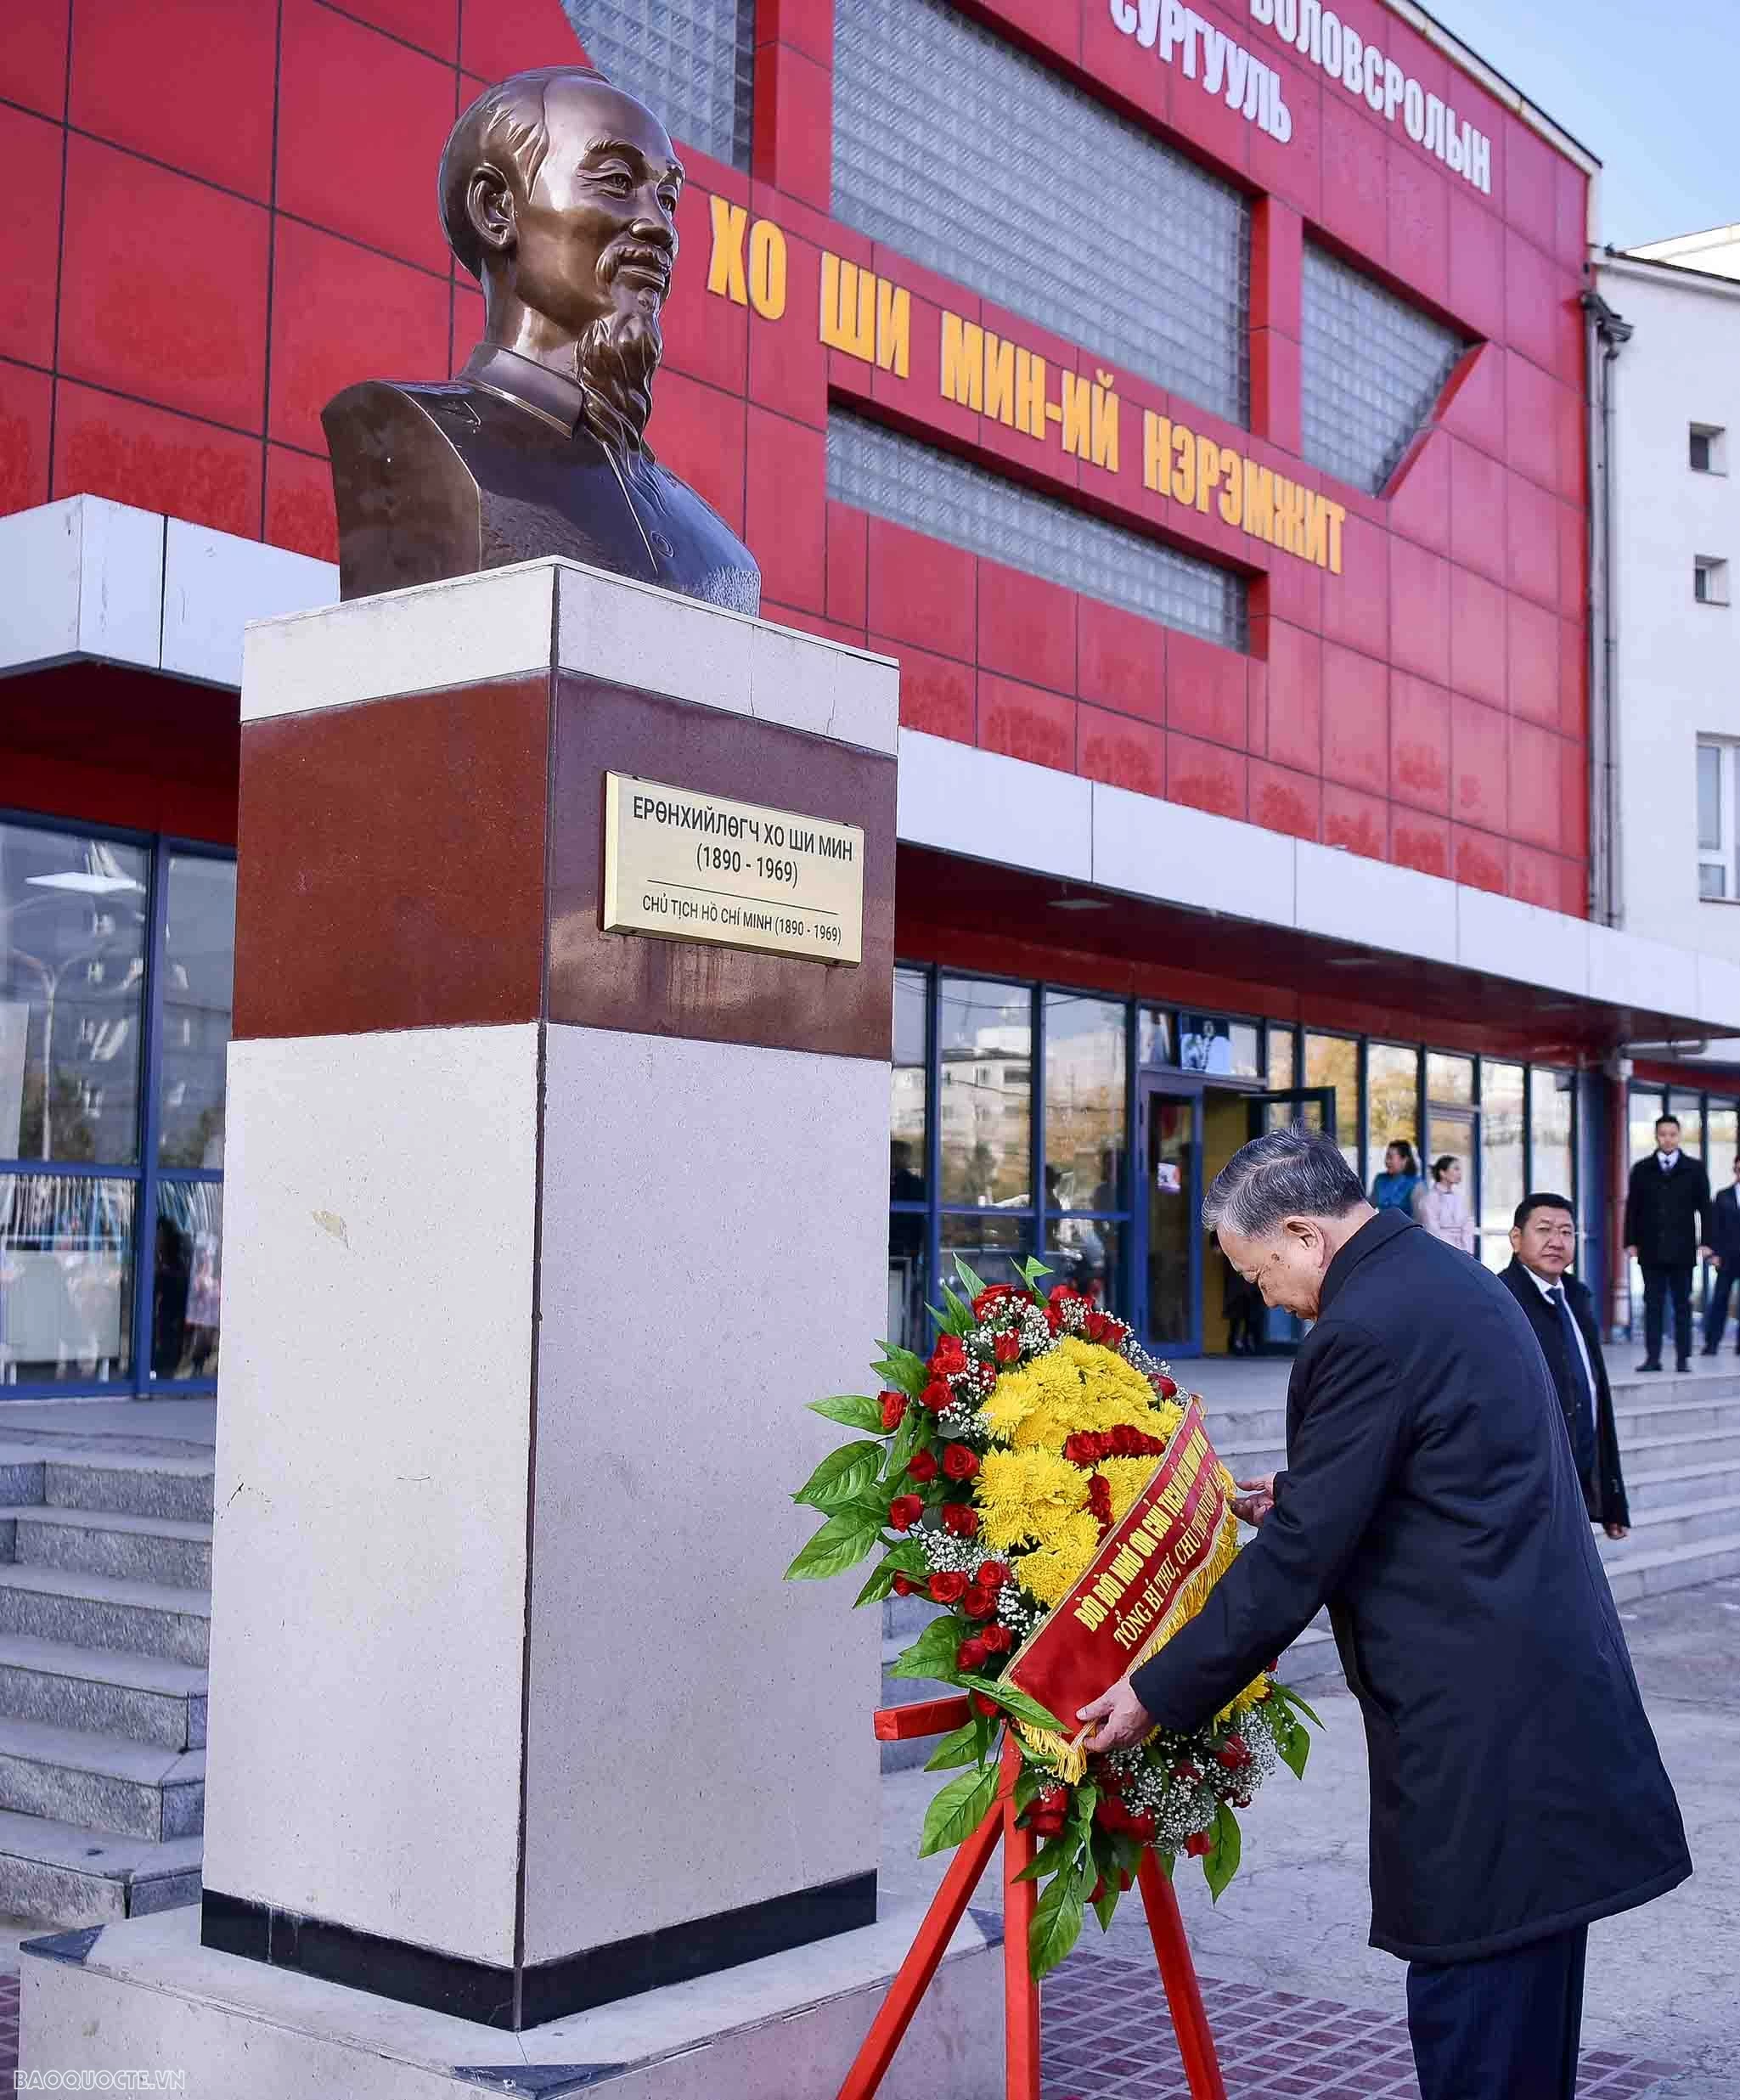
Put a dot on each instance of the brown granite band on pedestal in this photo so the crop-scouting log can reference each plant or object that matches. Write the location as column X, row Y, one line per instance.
column 444, row 860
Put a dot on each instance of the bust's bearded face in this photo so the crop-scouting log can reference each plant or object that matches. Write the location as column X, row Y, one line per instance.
column 595, row 237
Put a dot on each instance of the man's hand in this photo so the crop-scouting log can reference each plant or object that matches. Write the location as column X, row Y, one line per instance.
column 1617, row 1531
column 1257, row 1500
column 1119, row 1716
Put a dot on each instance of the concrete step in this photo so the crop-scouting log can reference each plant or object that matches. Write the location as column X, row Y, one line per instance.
column 1711, row 1385
column 1659, row 1487
column 168, row 1550
column 65, row 1875
column 1684, row 1523
column 133, row 1484
column 1240, row 1427
column 1688, row 1411
column 1666, row 1454
column 1646, row 1572
column 101, row 1782
column 139, row 1696
column 106, row 1612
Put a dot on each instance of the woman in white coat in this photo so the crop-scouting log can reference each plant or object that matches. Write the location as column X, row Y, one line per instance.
column 1441, row 1207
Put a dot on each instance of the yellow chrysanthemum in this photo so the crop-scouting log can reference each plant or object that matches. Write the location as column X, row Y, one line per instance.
column 1126, row 1477
column 1254, row 1692
column 1026, row 1496
column 1078, row 1385
column 1049, row 1571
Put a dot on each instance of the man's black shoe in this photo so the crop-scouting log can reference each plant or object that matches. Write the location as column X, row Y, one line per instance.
column 1709, row 1348
column 1683, row 1364
column 1650, row 1366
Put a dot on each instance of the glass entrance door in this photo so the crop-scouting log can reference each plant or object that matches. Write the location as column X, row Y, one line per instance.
column 1311, row 1108
column 1171, row 1156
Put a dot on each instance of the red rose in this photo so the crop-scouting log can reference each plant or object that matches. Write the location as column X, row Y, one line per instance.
column 948, row 1586
column 960, row 1520
column 921, row 1466
column 893, row 1407
column 998, row 1638
column 904, row 1511
column 1100, row 1499
column 959, row 1461
column 981, row 1703
column 1199, row 1845
column 1166, row 1387
column 1241, row 1800
column 948, row 1358
column 1270, row 1669
column 992, row 1575
column 1061, row 1295
column 1140, row 1826
column 1116, row 1334
column 1006, row 1348
column 1187, row 1775
column 992, row 1295
column 1094, row 1327
column 971, row 1655
column 1054, row 1320
column 978, row 1603
column 1045, row 1826
column 1234, row 1753
column 936, row 1396
column 903, row 1586
column 1110, row 1813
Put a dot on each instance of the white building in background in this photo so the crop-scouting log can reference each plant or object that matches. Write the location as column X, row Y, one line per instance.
column 1667, row 630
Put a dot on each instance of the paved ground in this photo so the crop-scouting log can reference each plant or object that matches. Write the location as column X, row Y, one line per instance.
column 1302, row 2005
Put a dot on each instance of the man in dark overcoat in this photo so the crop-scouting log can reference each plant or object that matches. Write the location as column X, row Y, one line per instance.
column 1562, row 1312
column 1725, row 1252
column 1430, row 1501
column 1666, row 1228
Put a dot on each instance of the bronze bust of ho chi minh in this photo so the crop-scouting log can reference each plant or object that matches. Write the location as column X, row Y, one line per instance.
column 559, row 192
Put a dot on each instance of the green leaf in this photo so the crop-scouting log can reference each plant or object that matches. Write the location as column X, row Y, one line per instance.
column 1057, row 1923
column 1053, row 1855
column 907, row 1438
column 1107, row 1902
column 962, row 1748
column 1220, row 1862
column 932, row 1654
column 901, row 1370
column 958, row 1810
column 972, row 1284
column 1031, row 1271
column 1084, row 1799
column 841, row 1476
column 856, row 1411
column 1013, row 1700
column 957, row 1320
column 841, row 1543
column 1289, row 1698
column 1028, row 1781
column 1293, row 1743
column 906, row 1559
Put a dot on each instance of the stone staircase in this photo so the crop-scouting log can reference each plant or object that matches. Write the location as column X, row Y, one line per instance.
column 1679, row 1446
column 105, row 1608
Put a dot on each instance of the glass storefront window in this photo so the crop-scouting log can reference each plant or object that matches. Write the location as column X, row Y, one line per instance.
column 73, row 925
column 1282, row 1059
column 1085, row 1096
column 1392, row 1101
column 1552, row 1164
column 1722, row 1138
column 199, row 956
column 66, row 1261
column 1086, row 1254
column 1334, row 1060
column 186, row 1277
column 1689, row 1108
column 1153, row 1035
column 992, row 1247
column 1500, row 1157
column 908, row 1120
column 1646, row 1103
column 986, row 1110
column 1452, row 1118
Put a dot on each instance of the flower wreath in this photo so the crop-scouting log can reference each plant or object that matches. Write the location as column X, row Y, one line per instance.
column 995, row 1468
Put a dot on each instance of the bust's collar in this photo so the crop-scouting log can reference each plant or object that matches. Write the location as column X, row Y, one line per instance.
column 550, row 394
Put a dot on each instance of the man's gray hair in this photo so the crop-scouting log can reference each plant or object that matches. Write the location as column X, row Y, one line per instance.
column 1283, row 1174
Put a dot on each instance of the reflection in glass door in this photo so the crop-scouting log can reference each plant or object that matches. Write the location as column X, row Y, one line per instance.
column 1171, row 1152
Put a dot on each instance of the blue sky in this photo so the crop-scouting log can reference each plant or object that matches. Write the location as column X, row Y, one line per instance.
column 1649, row 90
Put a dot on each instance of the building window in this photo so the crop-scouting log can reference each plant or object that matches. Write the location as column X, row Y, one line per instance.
column 1334, row 1060
column 1709, row 580
column 1372, row 368
column 1716, row 857
column 1392, row 1102
column 116, row 960
column 692, row 62
column 1709, row 449
column 1502, row 1127
column 973, row 159
column 932, row 492
column 1087, row 1142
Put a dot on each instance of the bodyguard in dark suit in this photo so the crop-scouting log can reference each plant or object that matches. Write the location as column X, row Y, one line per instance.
column 1667, row 1213
column 1562, row 1312
column 1725, row 1252
column 1430, row 1501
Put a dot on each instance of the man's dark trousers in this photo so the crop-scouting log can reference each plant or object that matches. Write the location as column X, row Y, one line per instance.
column 1715, row 1313
column 1501, row 2029
column 1659, row 1285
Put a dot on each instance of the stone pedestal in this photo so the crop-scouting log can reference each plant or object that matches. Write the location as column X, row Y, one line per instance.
column 538, row 1238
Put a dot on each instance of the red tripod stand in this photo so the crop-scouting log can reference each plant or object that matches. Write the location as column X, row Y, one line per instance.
column 1020, row 1993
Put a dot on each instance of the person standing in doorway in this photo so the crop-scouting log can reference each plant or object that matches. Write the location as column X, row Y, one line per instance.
column 1396, row 1187
column 1725, row 1253
column 1429, row 1498
column 1666, row 1230
column 1442, row 1207
column 1562, row 1312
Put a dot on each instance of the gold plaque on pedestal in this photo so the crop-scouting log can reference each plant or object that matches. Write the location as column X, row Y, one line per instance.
column 683, row 866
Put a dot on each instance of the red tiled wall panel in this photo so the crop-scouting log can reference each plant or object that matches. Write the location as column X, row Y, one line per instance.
column 179, row 296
